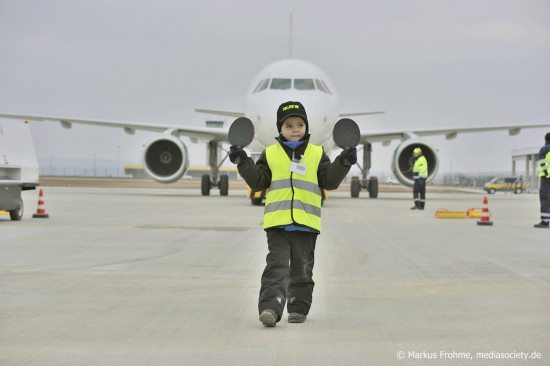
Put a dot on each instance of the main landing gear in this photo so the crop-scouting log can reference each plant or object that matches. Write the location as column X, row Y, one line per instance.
column 216, row 180
column 371, row 184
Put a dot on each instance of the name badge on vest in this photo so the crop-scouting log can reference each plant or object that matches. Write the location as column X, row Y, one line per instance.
column 298, row 168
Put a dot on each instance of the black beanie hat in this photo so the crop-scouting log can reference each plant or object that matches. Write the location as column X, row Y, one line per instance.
column 290, row 109
column 547, row 137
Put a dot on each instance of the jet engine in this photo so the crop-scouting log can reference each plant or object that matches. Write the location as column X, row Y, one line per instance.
column 165, row 159
column 403, row 160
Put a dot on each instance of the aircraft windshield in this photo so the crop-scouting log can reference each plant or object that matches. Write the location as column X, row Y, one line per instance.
column 280, row 84
column 320, row 86
column 326, row 87
column 304, row 84
column 263, row 85
column 257, row 87
column 284, row 84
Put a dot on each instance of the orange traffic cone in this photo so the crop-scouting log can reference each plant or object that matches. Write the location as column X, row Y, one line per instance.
column 485, row 214
column 41, row 211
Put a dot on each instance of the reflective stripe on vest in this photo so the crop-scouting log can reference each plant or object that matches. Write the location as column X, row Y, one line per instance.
column 293, row 198
column 420, row 168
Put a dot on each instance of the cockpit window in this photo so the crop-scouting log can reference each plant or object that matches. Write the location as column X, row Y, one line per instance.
column 264, row 85
column 326, row 86
column 320, row 86
column 258, row 86
column 304, row 84
column 280, row 84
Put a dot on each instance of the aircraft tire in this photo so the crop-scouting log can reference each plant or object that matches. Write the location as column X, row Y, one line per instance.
column 224, row 185
column 206, row 184
column 355, row 187
column 373, row 187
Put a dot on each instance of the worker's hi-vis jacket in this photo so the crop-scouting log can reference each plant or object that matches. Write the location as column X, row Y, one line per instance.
column 544, row 161
column 420, row 168
column 293, row 198
column 259, row 175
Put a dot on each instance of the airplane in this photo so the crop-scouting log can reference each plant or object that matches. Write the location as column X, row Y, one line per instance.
column 166, row 158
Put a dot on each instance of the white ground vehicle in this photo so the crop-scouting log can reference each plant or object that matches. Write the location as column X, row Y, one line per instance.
column 18, row 165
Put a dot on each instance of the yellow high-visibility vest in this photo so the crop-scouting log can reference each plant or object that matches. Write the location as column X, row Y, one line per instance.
column 292, row 197
column 420, row 168
column 544, row 166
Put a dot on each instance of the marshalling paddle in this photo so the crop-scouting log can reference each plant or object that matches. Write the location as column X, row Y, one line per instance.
column 346, row 133
column 241, row 132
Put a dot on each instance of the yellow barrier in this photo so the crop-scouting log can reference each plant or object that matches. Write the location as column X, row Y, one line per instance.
column 443, row 213
column 471, row 213
column 474, row 213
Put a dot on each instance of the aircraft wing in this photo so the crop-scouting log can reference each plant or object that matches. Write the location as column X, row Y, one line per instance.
column 450, row 133
column 202, row 133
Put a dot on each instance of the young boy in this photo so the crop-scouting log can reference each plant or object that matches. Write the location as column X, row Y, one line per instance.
column 295, row 172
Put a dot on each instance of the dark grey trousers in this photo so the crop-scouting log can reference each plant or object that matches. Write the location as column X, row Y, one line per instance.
column 419, row 192
column 544, row 195
column 289, row 271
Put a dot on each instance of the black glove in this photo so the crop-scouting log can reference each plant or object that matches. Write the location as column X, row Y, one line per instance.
column 237, row 154
column 348, row 157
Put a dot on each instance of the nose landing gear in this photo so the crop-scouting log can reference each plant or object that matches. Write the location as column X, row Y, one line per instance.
column 221, row 181
column 371, row 184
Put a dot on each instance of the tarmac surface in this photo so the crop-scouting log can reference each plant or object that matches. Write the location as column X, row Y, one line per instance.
column 165, row 276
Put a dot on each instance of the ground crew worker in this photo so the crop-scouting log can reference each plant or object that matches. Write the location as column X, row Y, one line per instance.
column 295, row 172
column 544, row 192
column 420, row 174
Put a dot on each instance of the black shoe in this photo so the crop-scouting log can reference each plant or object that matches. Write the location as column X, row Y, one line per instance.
column 542, row 224
column 296, row 318
column 414, row 208
column 268, row 318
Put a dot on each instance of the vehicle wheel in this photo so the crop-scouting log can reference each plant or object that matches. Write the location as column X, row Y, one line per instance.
column 206, row 184
column 17, row 214
column 355, row 187
column 224, row 185
column 491, row 191
column 373, row 187
column 518, row 191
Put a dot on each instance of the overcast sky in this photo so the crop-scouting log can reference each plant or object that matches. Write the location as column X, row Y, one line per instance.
column 426, row 63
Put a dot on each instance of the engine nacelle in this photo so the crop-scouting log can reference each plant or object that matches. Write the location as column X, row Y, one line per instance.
column 402, row 161
column 165, row 159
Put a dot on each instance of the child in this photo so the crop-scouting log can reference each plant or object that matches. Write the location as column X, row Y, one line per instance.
column 295, row 172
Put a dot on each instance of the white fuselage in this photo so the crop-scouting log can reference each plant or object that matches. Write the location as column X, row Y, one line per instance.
column 291, row 80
